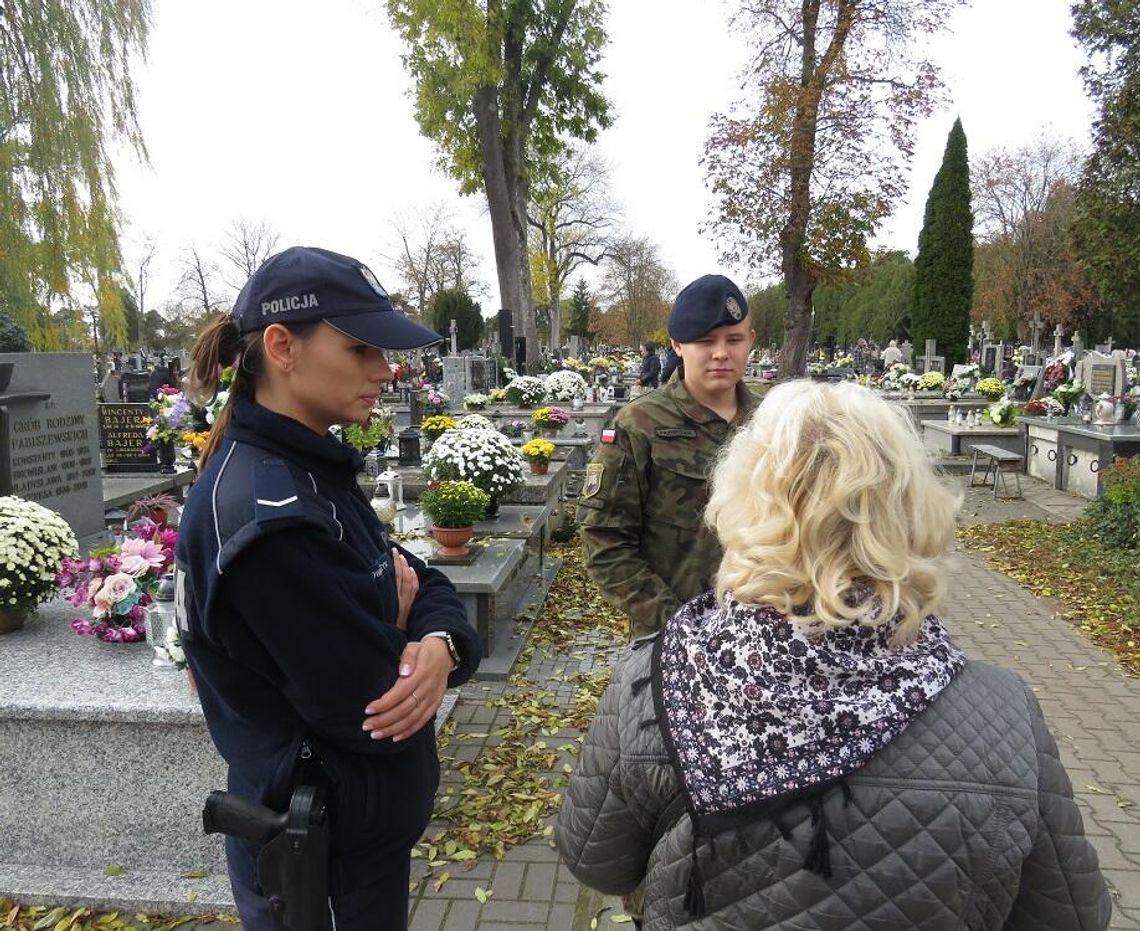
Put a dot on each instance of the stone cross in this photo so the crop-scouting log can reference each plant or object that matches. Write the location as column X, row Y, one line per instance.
column 1036, row 328
column 1078, row 348
column 930, row 358
column 1058, row 348
column 454, row 337
column 987, row 332
column 1108, row 343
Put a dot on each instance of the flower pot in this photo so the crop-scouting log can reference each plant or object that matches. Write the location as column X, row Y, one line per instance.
column 550, row 433
column 539, row 468
column 492, row 509
column 452, row 540
column 12, row 619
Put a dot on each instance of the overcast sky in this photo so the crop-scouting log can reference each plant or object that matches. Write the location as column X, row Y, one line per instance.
column 298, row 114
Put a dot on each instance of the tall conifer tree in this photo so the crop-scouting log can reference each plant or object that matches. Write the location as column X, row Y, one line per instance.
column 944, row 268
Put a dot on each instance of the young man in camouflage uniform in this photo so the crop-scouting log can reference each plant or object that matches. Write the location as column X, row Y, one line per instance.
column 642, row 503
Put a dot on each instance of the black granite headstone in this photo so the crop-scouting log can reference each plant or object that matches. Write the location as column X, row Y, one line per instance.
column 122, row 432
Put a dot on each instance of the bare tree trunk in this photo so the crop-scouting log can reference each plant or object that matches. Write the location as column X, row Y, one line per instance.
column 510, row 256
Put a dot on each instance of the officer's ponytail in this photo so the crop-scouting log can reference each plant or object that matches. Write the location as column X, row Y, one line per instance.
column 218, row 345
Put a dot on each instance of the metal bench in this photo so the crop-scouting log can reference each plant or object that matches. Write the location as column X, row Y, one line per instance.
column 999, row 461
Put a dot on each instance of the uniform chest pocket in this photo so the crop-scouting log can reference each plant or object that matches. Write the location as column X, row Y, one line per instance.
column 678, row 485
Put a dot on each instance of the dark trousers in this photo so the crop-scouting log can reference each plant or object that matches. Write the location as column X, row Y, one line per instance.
column 381, row 904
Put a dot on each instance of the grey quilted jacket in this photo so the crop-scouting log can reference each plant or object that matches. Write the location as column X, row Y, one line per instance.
column 966, row 820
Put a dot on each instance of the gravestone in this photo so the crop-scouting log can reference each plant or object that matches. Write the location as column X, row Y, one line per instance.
column 1102, row 374
column 466, row 374
column 1025, row 381
column 455, row 380
column 991, row 358
column 931, row 362
column 907, row 351
column 1058, row 345
column 135, row 387
column 49, row 437
column 122, row 435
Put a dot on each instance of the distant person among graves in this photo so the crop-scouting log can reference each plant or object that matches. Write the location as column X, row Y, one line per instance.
column 320, row 650
column 650, row 374
column 669, row 366
column 891, row 354
column 640, row 507
column 806, row 747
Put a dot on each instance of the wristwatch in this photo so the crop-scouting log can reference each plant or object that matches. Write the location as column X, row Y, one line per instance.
column 452, row 649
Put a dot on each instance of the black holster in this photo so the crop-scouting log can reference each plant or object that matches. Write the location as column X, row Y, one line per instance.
column 293, row 862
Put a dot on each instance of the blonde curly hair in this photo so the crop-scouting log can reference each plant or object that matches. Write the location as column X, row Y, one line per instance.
column 826, row 497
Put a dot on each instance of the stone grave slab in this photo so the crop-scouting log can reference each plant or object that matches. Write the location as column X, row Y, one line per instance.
column 538, row 490
column 949, row 439
column 49, row 437
column 115, row 764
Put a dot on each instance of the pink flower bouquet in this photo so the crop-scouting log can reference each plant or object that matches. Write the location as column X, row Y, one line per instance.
column 117, row 583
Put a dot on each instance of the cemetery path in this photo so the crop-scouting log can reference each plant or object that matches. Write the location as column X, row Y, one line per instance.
column 1092, row 706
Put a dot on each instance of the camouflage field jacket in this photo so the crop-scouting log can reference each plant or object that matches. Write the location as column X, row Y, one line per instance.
column 640, row 510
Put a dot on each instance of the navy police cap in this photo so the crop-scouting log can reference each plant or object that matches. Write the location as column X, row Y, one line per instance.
column 703, row 305
column 304, row 284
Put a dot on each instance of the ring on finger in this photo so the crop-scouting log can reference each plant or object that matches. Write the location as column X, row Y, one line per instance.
column 415, row 698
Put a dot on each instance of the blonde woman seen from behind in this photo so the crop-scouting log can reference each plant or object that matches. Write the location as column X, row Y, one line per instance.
column 806, row 746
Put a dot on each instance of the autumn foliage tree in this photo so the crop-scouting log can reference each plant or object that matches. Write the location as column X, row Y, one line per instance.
column 814, row 158
column 500, row 87
column 1025, row 262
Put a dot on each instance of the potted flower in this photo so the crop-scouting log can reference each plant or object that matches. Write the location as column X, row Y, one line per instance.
column 34, row 542
column 1036, row 408
column 513, row 428
column 436, row 425
column 156, row 508
column 497, row 395
column 435, row 401
column 373, row 435
column 931, row 381
column 991, row 388
column 565, row 385
column 485, row 458
column 1068, row 393
column 454, row 507
column 525, row 391
column 537, row 452
column 476, row 401
column 1001, row 413
column 118, row 582
column 550, row 419
column 474, row 422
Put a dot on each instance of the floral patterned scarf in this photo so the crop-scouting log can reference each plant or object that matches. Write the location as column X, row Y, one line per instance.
column 757, row 709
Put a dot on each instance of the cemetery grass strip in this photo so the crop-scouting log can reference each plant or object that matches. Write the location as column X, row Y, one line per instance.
column 513, row 787
column 1097, row 586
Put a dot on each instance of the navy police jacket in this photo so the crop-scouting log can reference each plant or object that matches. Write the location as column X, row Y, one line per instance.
column 287, row 605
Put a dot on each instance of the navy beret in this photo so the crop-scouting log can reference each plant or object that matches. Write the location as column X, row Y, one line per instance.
column 703, row 305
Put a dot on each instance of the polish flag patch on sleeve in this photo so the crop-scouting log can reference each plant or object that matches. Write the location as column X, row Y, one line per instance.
column 608, row 436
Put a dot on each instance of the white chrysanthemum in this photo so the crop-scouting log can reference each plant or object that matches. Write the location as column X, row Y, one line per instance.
column 33, row 542
column 526, row 390
column 485, row 458
column 565, row 386
column 474, row 422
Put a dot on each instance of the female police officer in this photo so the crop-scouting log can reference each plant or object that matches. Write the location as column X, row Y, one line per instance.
column 305, row 630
